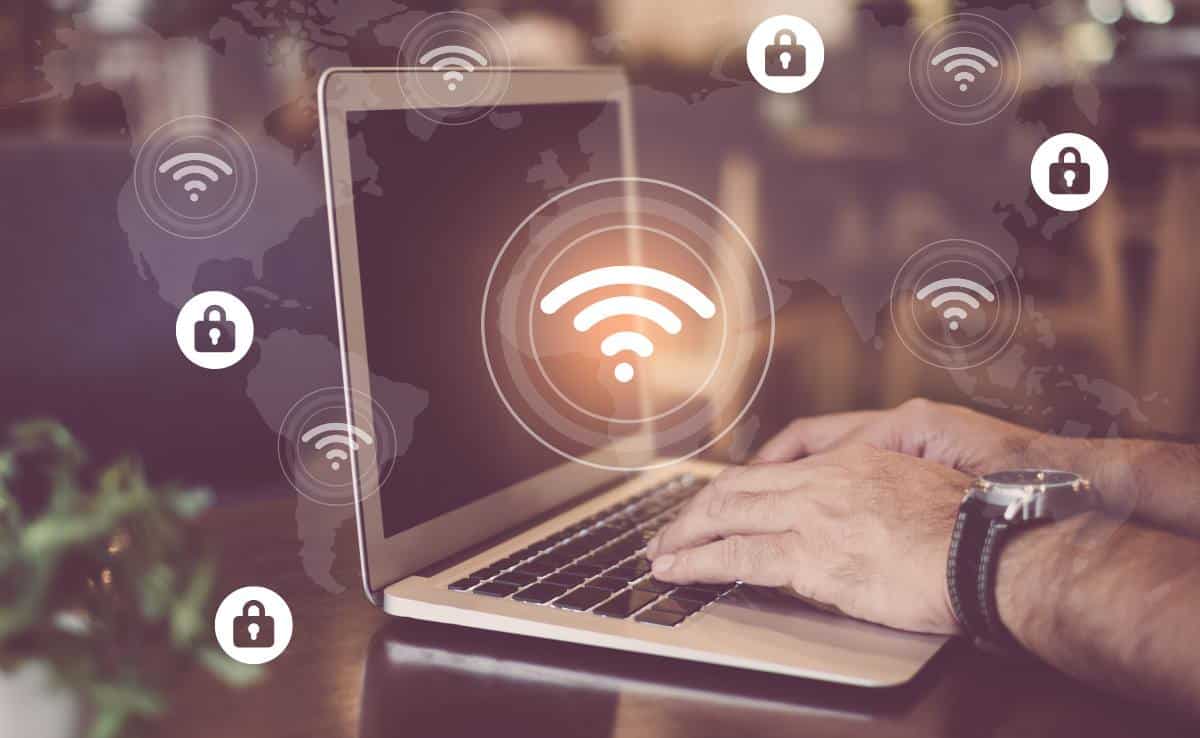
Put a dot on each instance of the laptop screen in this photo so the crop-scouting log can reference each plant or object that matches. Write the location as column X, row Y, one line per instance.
column 434, row 205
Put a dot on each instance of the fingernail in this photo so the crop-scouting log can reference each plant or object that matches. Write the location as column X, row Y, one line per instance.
column 663, row 564
column 652, row 547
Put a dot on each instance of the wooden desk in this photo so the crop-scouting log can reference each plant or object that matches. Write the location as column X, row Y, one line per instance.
column 353, row 671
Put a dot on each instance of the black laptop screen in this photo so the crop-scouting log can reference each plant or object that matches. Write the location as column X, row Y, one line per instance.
column 434, row 205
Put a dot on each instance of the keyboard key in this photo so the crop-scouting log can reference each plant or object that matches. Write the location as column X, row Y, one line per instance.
column 508, row 562
column 565, row 580
column 582, row 598
column 625, row 575
column 696, row 595
column 464, row 584
column 486, row 572
column 608, row 584
column 607, row 556
column 656, row 616
column 536, row 568
column 653, row 585
column 583, row 570
column 572, row 550
column 718, row 588
column 552, row 558
column 539, row 593
column 625, row 603
column 684, row 607
column 516, row 577
column 496, row 589
column 632, row 569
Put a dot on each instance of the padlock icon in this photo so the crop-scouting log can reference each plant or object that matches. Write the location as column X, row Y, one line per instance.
column 215, row 336
column 785, row 57
column 254, row 631
column 1070, row 177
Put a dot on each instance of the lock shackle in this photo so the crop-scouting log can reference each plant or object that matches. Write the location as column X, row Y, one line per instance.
column 219, row 311
column 785, row 33
column 262, row 611
column 1062, row 155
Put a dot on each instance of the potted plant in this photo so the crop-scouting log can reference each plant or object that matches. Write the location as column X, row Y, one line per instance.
column 105, row 588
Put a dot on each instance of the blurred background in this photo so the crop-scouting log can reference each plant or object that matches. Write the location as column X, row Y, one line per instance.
column 836, row 186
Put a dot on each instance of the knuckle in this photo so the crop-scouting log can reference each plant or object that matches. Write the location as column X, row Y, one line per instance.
column 732, row 553
column 724, row 481
column 730, row 504
column 774, row 548
column 918, row 407
column 795, row 425
column 857, row 454
column 744, row 557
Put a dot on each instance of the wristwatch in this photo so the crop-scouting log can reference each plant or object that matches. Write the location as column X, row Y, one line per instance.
column 994, row 507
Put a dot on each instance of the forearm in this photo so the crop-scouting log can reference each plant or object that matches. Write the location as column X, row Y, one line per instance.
column 1152, row 481
column 1117, row 605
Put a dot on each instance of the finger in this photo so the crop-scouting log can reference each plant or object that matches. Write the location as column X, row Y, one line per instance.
column 766, row 560
column 807, row 436
column 741, row 500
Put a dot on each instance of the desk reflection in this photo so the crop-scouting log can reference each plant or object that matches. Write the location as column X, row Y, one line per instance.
column 426, row 679
column 430, row 679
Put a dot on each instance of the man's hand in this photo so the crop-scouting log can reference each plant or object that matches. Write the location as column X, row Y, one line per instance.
column 966, row 440
column 1146, row 480
column 864, row 530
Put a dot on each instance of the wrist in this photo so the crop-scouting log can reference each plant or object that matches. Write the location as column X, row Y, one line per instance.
column 1032, row 577
column 1106, row 462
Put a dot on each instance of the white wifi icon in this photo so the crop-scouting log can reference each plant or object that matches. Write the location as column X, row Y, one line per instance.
column 451, row 58
column 195, row 167
column 951, row 290
column 344, row 438
column 633, row 305
column 964, row 56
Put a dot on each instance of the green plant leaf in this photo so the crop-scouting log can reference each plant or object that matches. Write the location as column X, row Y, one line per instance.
column 189, row 503
column 187, row 614
column 232, row 673
column 116, row 553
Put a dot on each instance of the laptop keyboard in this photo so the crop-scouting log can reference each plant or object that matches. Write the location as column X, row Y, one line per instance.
column 598, row 566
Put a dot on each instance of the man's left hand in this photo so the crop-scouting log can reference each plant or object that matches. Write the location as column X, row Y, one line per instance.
column 864, row 530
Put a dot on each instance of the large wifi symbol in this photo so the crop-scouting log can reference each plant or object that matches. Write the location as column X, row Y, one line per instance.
column 451, row 59
column 955, row 294
column 633, row 305
column 197, row 168
column 342, row 437
column 965, row 56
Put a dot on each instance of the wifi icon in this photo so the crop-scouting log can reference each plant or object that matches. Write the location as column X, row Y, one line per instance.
column 968, row 58
column 951, row 290
column 451, row 58
column 195, row 167
column 342, row 437
column 633, row 305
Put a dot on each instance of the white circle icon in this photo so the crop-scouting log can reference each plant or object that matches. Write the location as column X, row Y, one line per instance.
column 214, row 330
column 1069, row 172
column 253, row 625
column 785, row 54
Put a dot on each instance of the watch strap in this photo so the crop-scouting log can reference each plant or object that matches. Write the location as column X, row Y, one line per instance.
column 997, row 634
column 963, row 567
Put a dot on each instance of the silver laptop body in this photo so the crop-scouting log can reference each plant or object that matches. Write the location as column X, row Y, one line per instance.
column 409, row 567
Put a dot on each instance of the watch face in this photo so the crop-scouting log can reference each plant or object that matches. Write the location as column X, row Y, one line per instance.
column 1039, row 492
column 1031, row 477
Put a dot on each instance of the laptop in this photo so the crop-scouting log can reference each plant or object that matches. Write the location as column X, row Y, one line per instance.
column 475, row 522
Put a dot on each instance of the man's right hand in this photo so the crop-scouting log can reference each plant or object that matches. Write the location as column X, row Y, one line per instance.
column 968, row 441
column 1148, row 480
